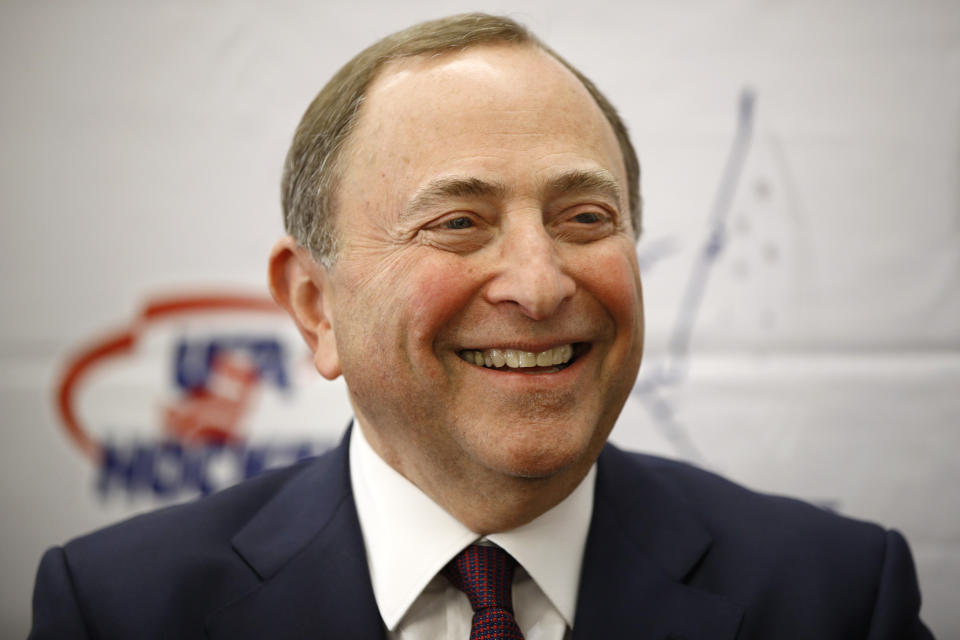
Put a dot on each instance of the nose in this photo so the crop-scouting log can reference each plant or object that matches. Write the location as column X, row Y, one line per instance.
column 529, row 272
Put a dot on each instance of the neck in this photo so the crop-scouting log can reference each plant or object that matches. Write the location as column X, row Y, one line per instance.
column 499, row 505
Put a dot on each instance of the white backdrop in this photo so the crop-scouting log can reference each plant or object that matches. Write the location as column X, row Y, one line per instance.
column 802, row 298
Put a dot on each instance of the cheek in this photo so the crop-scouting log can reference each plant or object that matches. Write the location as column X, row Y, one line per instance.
column 612, row 276
column 442, row 288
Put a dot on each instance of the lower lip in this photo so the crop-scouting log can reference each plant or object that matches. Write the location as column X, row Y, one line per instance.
column 535, row 371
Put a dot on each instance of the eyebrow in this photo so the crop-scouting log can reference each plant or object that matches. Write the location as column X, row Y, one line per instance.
column 439, row 190
column 599, row 181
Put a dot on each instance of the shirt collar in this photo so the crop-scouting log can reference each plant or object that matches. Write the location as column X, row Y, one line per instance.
column 409, row 538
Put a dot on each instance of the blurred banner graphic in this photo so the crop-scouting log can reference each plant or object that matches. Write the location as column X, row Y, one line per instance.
column 199, row 392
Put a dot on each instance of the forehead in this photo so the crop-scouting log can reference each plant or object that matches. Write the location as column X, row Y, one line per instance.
column 503, row 109
column 497, row 72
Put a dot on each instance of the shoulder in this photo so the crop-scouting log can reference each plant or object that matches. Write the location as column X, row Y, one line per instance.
column 729, row 510
column 780, row 558
column 164, row 570
column 212, row 520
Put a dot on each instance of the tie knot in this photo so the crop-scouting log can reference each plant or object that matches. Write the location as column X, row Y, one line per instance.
column 485, row 574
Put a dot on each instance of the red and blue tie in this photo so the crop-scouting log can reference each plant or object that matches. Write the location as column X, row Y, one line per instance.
column 485, row 574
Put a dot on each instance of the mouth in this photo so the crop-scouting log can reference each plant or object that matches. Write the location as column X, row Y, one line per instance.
column 530, row 362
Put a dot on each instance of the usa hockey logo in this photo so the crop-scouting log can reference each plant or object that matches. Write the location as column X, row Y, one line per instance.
column 199, row 392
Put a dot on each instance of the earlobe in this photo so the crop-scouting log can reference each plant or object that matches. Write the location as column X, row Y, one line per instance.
column 301, row 286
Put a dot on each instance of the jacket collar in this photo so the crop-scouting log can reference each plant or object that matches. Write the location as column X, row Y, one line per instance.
column 306, row 547
column 644, row 543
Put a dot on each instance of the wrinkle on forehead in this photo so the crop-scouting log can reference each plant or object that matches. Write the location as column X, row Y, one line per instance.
column 412, row 95
column 492, row 112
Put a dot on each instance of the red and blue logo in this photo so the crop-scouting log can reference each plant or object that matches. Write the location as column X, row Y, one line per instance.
column 199, row 392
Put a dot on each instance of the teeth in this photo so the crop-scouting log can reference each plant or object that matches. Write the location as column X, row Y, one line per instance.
column 516, row 359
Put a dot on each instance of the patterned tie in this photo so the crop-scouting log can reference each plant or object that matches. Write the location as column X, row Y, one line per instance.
column 485, row 574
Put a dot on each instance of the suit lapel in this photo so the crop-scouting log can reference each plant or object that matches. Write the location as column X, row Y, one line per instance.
column 306, row 547
column 643, row 545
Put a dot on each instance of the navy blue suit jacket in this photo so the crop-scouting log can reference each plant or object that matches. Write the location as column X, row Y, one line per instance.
column 673, row 552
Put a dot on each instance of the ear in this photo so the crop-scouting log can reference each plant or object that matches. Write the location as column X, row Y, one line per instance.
column 301, row 285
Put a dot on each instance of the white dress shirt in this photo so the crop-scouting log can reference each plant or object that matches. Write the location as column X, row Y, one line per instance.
column 409, row 539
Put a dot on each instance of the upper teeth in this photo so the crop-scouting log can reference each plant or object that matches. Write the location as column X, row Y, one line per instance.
column 515, row 359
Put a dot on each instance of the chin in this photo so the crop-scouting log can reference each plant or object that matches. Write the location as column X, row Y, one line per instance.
column 536, row 456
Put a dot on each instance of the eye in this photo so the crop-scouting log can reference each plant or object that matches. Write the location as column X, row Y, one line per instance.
column 462, row 222
column 584, row 223
column 459, row 232
column 588, row 217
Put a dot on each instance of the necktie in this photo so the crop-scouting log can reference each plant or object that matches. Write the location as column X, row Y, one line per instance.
column 485, row 574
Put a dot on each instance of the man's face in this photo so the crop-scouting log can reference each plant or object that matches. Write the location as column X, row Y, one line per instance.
column 482, row 212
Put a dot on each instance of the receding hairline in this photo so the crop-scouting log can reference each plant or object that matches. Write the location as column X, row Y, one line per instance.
column 595, row 179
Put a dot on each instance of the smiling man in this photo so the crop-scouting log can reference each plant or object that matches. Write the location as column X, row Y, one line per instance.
column 463, row 207
column 483, row 302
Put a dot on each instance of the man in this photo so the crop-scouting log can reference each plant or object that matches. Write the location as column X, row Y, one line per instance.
column 463, row 208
